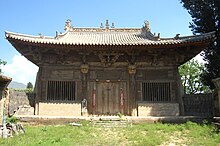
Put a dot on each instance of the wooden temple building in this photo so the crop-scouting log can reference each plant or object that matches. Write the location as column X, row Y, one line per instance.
column 108, row 70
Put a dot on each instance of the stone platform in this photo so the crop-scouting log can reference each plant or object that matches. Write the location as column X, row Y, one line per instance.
column 54, row 120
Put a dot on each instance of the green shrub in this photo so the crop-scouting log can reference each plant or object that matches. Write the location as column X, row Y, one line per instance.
column 12, row 119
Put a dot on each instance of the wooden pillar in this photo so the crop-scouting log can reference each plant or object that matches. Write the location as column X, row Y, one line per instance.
column 84, row 85
column 38, row 91
column 180, row 94
column 132, row 87
column 84, row 71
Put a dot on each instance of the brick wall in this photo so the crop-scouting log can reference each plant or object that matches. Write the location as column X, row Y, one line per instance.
column 158, row 109
column 59, row 109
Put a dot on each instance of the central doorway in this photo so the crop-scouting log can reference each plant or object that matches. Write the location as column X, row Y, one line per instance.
column 109, row 98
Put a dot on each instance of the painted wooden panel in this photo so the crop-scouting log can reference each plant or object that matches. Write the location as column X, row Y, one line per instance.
column 62, row 74
column 108, row 75
column 155, row 74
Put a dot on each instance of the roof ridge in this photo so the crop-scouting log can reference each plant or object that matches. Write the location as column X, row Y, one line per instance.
column 208, row 34
column 8, row 34
column 92, row 29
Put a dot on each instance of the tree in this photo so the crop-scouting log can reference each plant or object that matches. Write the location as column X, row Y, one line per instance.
column 206, row 17
column 2, row 63
column 29, row 85
column 190, row 76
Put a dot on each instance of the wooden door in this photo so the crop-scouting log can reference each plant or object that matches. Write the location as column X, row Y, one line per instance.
column 107, row 98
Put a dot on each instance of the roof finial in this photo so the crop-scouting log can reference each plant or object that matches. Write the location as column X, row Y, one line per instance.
column 57, row 34
column 101, row 26
column 67, row 25
column 147, row 25
column 177, row 36
column 106, row 24
column 113, row 25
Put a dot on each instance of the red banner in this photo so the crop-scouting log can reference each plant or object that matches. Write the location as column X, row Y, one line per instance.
column 93, row 98
column 122, row 98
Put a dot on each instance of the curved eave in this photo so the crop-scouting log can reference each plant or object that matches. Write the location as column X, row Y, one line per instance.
column 125, row 46
column 40, row 40
column 4, row 81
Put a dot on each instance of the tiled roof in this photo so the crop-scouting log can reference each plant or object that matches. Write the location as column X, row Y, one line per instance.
column 5, row 78
column 111, row 36
column 4, row 81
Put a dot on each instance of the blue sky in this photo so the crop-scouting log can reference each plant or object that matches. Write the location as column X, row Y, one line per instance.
column 167, row 17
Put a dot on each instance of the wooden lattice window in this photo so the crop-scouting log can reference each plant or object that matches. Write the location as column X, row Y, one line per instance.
column 157, row 92
column 61, row 90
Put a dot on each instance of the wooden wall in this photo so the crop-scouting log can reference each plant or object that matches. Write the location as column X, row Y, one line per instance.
column 198, row 105
column 158, row 75
column 117, row 80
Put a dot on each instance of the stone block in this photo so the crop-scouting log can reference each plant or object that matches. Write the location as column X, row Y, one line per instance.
column 59, row 109
column 158, row 109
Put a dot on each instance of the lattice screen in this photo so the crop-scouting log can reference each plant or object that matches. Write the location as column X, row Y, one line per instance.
column 154, row 91
column 61, row 90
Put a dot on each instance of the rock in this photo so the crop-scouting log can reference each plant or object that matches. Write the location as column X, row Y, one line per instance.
column 75, row 124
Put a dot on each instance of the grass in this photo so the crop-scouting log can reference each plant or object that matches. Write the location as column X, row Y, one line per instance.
column 140, row 134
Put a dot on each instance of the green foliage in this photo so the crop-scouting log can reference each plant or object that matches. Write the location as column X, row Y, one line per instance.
column 120, row 115
column 27, row 90
column 140, row 134
column 190, row 77
column 206, row 18
column 2, row 63
column 29, row 85
column 12, row 119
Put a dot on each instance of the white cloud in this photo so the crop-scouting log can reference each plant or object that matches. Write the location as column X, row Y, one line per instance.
column 21, row 70
column 199, row 58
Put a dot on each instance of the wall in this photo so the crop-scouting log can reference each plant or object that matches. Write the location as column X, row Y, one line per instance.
column 99, row 74
column 59, row 73
column 21, row 102
column 198, row 105
column 158, row 74
column 59, row 109
column 158, row 109
column 216, row 98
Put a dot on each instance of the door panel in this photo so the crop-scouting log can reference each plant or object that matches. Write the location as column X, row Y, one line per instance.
column 108, row 98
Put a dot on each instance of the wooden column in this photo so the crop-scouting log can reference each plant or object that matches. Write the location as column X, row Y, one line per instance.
column 38, row 90
column 132, row 87
column 180, row 93
column 84, row 85
column 84, row 71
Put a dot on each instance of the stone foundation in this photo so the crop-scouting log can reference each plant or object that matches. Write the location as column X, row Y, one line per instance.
column 158, row 109
column 59, row 109
column 25, row 110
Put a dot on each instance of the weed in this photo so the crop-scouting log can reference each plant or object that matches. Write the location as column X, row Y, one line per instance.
column 12, row 119
column 138, row 134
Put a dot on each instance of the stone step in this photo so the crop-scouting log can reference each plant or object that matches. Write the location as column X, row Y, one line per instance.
column 111, row 123
column 216, row 119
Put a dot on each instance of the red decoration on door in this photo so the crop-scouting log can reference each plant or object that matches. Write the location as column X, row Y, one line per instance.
column 122, row 98
column 93, row 98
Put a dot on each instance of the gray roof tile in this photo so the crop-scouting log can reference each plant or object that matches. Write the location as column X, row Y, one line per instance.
column 97, row 36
